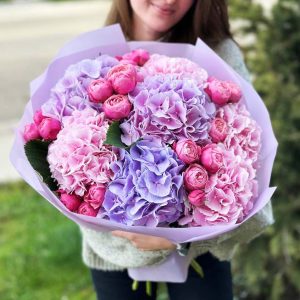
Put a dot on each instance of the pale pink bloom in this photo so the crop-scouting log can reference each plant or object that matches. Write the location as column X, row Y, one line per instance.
column 229, row 194
column 78, row 157
column 220, row 207
column 71, row 202
column 87, row 210
column 99, row 90
column 117, row 107
column 31, row 132
column 244, row 134
column 49, row 128
column 195, row 177
column 178, row 67
column 123, row 78
column 188, row 151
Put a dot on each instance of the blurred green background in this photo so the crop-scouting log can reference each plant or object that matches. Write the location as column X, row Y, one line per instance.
column 40, row 249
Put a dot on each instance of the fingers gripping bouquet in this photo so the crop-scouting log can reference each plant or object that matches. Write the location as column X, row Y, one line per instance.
column 147, row 138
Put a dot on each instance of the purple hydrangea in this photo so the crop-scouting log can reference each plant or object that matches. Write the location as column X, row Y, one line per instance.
column 70, row 92
column 147, row 187
column 168, row 108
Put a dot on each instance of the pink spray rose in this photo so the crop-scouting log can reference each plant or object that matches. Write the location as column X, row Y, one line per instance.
column 123, row 78
column 235, row 92
column 218, row 91
column 138, row 56
column 117, row 107
column 95, row 195
column 49, row 128
column 38, row 117
column 196, row 197
column 31, row 132
column 212, row 158
column 87, row 210
column 99, row 90
column 218, row 130
column 188, row 151
column 195, row 177
column 71, row 202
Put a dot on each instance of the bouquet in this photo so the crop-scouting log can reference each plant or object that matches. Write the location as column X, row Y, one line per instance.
column 147, row 137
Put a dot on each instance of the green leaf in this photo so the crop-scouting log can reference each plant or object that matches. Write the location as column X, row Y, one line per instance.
column 113, row 136
column 36, row 152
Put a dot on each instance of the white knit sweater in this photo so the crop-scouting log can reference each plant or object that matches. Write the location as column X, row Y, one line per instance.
column 103, row 251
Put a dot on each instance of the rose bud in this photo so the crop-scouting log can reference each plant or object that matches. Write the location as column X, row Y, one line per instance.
column 212, row 158
column 196, row 197
column 117, row 107
column 31, row 132
column 138, row 56
column 38, row 117
column 195, row 177
column 218, row 130
column 49, row 128
column 95, row 195
column 71, row 202
column 119, row 57
column 218, row 91
column 123, row 78
column 236, row 93
column 87, row 210
column 187, row 151
column 127, row 61
column 99, row 90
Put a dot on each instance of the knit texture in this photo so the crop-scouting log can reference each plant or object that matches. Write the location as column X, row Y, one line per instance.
column 103, row 251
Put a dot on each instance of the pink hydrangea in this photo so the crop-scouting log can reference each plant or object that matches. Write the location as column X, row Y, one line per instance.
column 180, row 68
column 78, row 157
column 229, row 194
column 244, row 134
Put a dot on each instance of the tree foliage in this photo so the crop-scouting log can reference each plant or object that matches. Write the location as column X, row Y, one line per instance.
column 269, row 267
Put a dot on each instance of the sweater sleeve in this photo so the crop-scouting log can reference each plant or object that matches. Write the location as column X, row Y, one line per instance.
column 102, row 250
column 224, row 246
column 229, row 51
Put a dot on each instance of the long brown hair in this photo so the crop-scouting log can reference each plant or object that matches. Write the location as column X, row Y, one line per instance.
column 207, row 19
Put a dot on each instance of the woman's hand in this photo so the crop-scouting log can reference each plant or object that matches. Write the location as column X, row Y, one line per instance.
column 145, row 242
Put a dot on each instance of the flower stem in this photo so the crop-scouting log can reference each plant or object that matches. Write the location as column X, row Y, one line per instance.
column 148, row 288
column 135, row 285
column 197, row 268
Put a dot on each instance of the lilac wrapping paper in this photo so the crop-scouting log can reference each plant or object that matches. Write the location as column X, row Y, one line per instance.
column 110, row 40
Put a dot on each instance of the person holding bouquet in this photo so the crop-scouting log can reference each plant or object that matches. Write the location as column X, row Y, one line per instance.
column 109, row 254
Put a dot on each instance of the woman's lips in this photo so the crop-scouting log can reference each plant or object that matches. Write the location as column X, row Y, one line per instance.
column 163, row 10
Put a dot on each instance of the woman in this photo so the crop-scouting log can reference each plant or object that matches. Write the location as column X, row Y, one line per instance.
column 110, row 254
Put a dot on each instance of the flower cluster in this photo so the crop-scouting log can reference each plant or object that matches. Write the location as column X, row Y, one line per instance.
column 192, row 148
column 168, row 108
column 71, row 91
column 178, row 67
column 221, row 187
column 244, row 135
column 78, row 159
column 147, row 186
